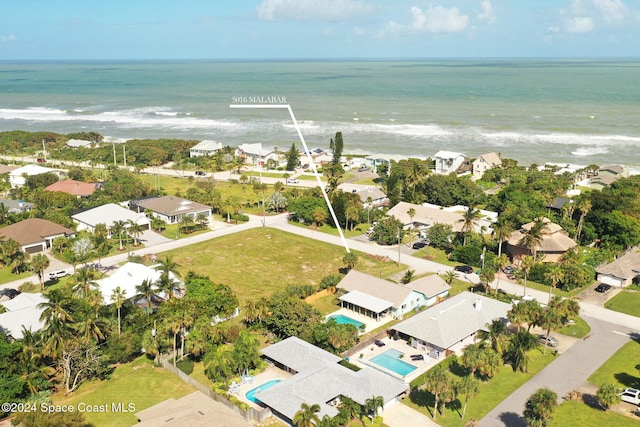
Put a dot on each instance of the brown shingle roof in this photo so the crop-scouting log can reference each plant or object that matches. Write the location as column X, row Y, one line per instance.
column 626, row 267
column 33, row 230
column 76, row 188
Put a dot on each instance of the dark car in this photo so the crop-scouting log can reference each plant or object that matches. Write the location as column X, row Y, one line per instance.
column 200, row 173
column 602, row 288
column 464, row 269
column 9, row 293
column 419, row 245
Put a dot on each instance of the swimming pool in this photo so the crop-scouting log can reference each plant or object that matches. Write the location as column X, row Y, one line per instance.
column 390, row 360
column 341, row 319
column 251, row 394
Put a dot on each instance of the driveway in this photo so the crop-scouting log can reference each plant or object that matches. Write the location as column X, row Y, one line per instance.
column 589, row 295
column 151, row 238
column 400, row 415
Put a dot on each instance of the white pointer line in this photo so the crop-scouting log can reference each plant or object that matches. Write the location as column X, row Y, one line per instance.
column 308, row 153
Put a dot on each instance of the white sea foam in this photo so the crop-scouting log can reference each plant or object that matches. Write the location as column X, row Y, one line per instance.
column 590, row 151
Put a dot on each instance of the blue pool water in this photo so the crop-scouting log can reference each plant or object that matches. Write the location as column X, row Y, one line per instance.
column 341, row 319
column 251, row 394
column 390, row 360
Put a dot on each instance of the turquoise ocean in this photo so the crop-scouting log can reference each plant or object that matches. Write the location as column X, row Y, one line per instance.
column 564, row 111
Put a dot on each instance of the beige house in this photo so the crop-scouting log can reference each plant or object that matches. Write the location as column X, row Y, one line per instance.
column 485, row 162
column 621, row 272
column 171, row 209
column 555, row 242
column 34, row 234
column 607, row 175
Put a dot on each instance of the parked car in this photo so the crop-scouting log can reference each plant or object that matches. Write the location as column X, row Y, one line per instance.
column 551, row 341
column 42, row 160
column 200, row 173
column 463, row 269
column 508, row 269
column 630, row 395
column 602, row 288
column 419, row 245
column 9, row 293
column 57, row 274
column 292, row 181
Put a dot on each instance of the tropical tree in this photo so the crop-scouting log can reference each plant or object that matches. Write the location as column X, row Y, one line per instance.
column 525, row 311
column 57, row 317
column 408, row 276
column 449, row 276
column 608, row 395
column 202, row 219
column 469, row 220
column 533, row 236
column 349, row 408
column 437, row 382
column 499, row 263
column 167, row 266
column 350, row 259
column 540, row 407
column 517, row 353
column 186, row 221
column 526, row 263
column 554, row 275
column 82, row 282
column 145, row 290
column 584, row 206
column 135, row 231
column 217, row 363
column 373, row 404
column 39, row 263
column 502, row 230
column 307, row 415
column 469, row 387
column 496, row 334
column 480, row 360
column 118, row 297
column 119, row 228
column 293, row 158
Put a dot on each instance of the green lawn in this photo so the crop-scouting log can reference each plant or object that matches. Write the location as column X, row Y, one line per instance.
column 171, row 232
column 491, row 393
column 325, row 228
column 7, row 276
column 138, row 382
column 578, row 414
column 311, row 177
column 327, row 304
column 621, row 369
column 578, row 330
column 269, row 260
column 257, row 174
column 625, row 302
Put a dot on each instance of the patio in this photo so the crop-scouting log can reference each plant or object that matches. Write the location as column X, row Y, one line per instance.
column 271, row 373
column 370, row 323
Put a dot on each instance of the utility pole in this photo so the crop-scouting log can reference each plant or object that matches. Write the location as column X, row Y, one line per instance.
column 124, row 154
column 114, row 154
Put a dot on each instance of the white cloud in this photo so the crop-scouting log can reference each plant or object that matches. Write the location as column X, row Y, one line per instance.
column 438, row 19
column 613, row 11
column 7, row 38
column 359, row 31
column 487, row 14
column 578, row 24
column 312, row 10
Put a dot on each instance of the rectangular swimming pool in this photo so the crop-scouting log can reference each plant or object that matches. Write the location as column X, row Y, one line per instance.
column 341, row 319
column 390, row 360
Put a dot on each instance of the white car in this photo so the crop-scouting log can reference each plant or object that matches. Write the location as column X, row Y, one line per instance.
column 292, row 181
column 630, row 395
column 57, row 274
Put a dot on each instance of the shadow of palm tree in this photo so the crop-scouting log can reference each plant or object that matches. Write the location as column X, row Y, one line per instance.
column 627, row 379
column 511, row 419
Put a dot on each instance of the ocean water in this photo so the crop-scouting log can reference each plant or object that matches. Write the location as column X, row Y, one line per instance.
column 565, row 111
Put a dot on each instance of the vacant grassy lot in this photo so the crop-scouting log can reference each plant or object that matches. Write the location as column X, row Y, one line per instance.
column 256, row 263
column 625, row 302
column 578, row 414
column 138, row 382
column 491, row 393
column 621, row 369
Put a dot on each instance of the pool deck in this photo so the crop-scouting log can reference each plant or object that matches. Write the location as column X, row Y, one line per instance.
column 370, row 324
column 271, row 373
column 402, row 346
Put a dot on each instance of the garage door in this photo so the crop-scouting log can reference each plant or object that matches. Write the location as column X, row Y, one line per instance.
column 33, row 249
column 609, row 280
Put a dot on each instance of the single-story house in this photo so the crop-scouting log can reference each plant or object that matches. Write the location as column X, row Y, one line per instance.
column 77, row 143
column 206, row 147
column 17, row 176
column 555, row 242
column 621, row 272
column 447, row 162
column 375, row 194
column 319, row 379
column 193, row 410
column 35, row 234
column 75, row 188
column 22, row 312
column 607, row 175
column 450, row 326
column 17, row 206
column 108, row 214
column 485, row 162
column 425, row 216
column 131, row 275
column 255, row 154
column 171, row 209
column 378, row 298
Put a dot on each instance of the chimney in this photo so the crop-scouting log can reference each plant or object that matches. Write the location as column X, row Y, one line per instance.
column 478, row 304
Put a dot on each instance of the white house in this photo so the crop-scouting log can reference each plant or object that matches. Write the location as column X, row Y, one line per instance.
column 485, row 162
column 17, row 176
column 450, row 326
column 255, row 154
column 447, row 162
column 22, row 312
column 372, row 197
column 621, row 272
column 171, row 209
column 206, row 147
column 108, row 214
column 378, row 298
column 77, row 143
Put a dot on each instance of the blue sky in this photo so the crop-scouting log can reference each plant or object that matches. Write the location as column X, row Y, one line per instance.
column 160, row 29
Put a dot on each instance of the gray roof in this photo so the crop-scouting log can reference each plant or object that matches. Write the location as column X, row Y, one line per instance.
column 453, row 319
column 22, row 312
column 429, row 286
column 375, row 193
column 299, row 355
column 625, row 267
column 425, row 215
column 17, row 205
column 172, row 205
column 108, row 214
column 322, row 381
column 374, row 286
column 367, row 301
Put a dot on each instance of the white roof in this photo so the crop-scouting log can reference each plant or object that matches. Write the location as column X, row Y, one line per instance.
column 447, row 155
column 128, row 277
column 375, row 304
column 31, row 170
column 254, row 149
column 108, row 214
column 79, row 143
column 207, row 144
column 23, row 312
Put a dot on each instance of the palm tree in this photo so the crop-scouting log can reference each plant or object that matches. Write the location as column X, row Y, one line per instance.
column 584, row 206
column 135, row 230
column 526, row 263
column 374, row 404
column 39, row 263
column 350, row 259
column 555, row 275
column 519, row 345
column 437, row 382
column 165, row 267
column 306, row 416
column 411, row 212
column 57, row 317
column 118, row 296
column 608, row 395
column 469, row 387
column 202, row 219
column 83, row 283
column 185, row 223
column 217, row 363
column 145, row 289
column 502, row 230
column 119, row 228
column 449, row 276
column 539, row 408
column 501, row 262
column 532, row 237
column 469, row 221
column 496, row 334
